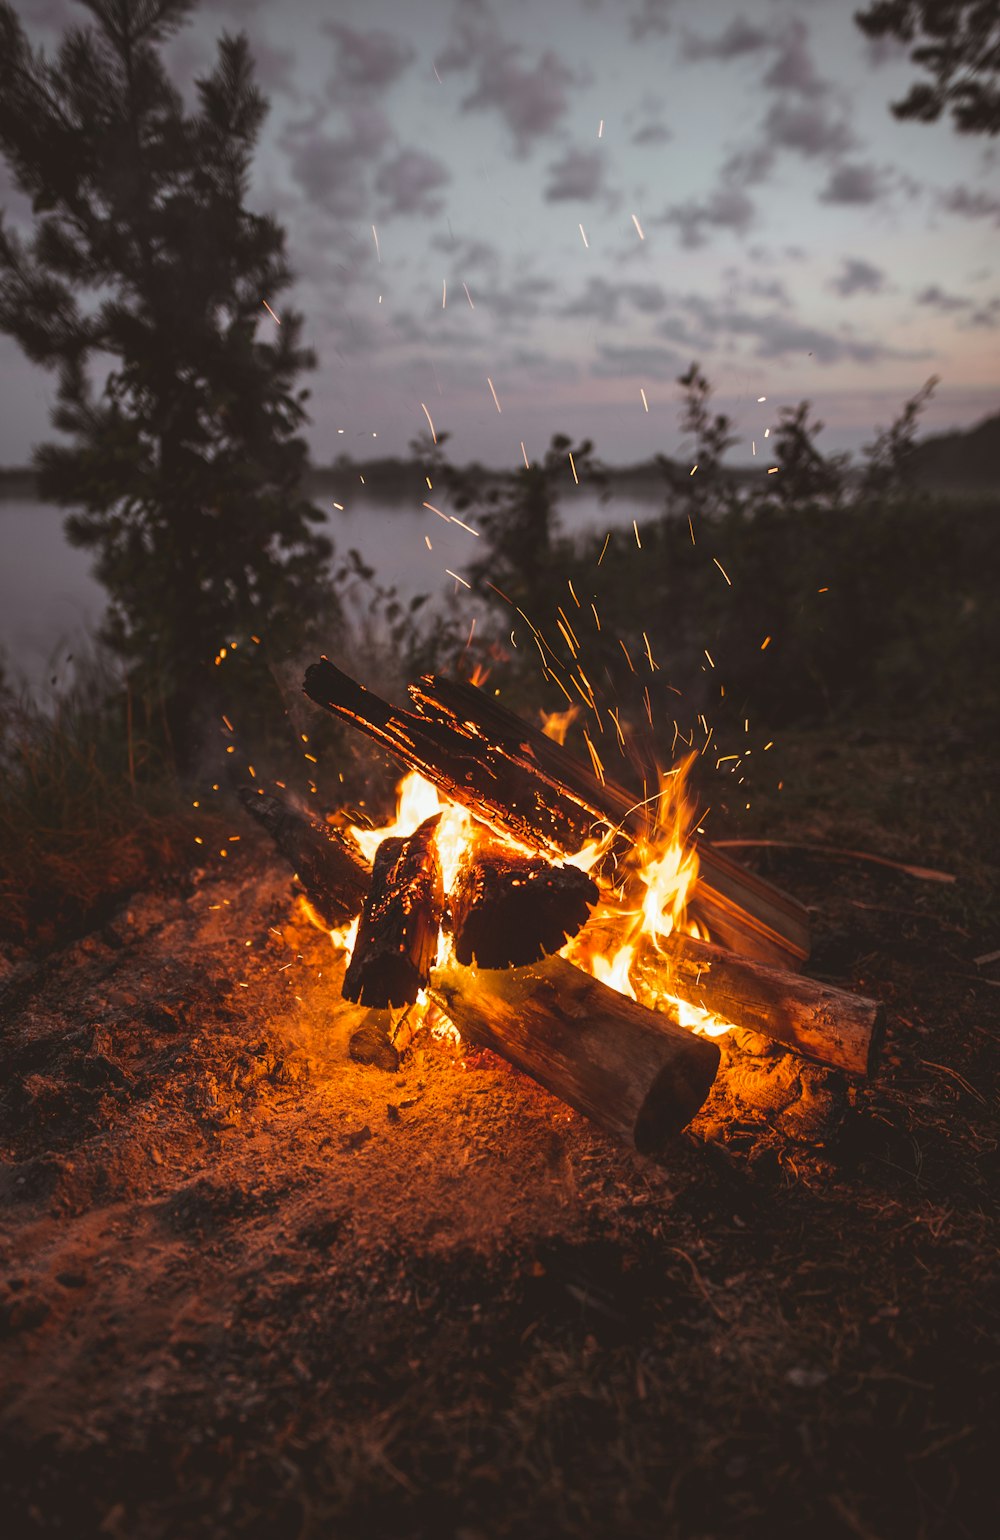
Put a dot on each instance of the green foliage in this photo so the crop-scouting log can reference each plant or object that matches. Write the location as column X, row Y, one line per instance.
column 186, row 461
column 958, row 44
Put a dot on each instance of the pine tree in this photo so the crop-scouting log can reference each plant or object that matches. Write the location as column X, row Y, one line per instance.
column 142, row 284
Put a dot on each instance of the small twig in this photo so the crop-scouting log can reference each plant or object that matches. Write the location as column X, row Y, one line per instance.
column 947, row 1070
column 925, row 873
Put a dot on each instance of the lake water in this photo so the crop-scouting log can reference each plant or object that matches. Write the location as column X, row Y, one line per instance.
column 49, row 602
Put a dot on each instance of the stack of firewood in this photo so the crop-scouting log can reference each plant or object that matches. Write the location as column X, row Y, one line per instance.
column 514, row 902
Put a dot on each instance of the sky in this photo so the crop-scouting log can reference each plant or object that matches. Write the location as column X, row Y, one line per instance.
column 519, row 218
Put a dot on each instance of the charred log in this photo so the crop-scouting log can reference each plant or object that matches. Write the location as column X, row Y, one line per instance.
column 330, row 866
column 816, row 1020
column 397, row 938
column 493, row 764
column 742, row 910
column 631, row 1070
column 509, row 909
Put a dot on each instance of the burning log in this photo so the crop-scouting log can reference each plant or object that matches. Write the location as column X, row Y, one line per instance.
column 398, row 935
column 329, row 865
column 508, row 909
column 743, row 910
column 816, row 1020
column 493, row 764
column 630, row 1069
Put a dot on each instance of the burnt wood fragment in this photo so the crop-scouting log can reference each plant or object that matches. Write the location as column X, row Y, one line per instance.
column 509, row 909
column 398, row 934
column 330, row 866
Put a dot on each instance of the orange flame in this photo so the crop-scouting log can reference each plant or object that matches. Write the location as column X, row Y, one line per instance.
column 655, row 887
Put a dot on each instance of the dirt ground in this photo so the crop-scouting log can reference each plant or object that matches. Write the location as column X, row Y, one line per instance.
column 251, row 1288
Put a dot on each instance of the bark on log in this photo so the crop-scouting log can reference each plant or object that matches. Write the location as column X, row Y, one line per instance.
column 514, row 787
column 398, row 935
column 741, row 909
column 630, row 1069
column 816, row 1020
column 508, row 909
column 329, row 865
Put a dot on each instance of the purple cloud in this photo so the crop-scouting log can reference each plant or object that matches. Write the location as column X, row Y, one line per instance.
column 852, row 182
column 725, row 209
column 793, row 69
column 578, row 175
column 937, row 298
column 531, row 98
column 738, row 39
column 409, row 183
column 808, row 129
column 366, row 61
column 858, row 277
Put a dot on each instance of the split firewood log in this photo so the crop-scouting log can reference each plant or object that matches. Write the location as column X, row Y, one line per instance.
column 330, row 866
column 508, row 909
column 398, row 934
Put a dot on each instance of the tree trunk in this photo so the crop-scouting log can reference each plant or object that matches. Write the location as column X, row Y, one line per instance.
column 329, row 865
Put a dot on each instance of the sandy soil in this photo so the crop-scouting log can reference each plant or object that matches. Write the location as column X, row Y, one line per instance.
column 251, row 1288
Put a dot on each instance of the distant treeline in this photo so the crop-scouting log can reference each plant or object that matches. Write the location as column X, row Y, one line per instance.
column 948, row 462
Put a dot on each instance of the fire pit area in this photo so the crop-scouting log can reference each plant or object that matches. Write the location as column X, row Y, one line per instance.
column 251, row 1285
column 505, row 852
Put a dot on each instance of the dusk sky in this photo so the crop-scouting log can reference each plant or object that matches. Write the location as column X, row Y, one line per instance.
column 575, row 199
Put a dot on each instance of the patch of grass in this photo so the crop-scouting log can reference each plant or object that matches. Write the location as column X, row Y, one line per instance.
column 90, row 806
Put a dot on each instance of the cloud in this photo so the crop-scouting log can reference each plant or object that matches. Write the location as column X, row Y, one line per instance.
column 852, row 182
column 652, row 133
column 937, row 299
column 793, row 69
column 578, row 175
column 778, row 336
column 531, row 98
column 649, row 363
column 987, row 316
column 748, row 166
column 651, row 20
column 366, row 61
column 858, row 277
column 409, row 183
column 726, row 209
column 808, row 129
column 774, row 335
column 971, row 205
column 466, row 252
column 739, row 38
column 331, row 169
column 602, row 301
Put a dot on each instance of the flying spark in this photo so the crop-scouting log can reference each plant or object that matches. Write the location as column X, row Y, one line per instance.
column 496, row 402
column 600, row 129
column 378, row 249
column 638, row 228
column 692, row 470
column 457, row 578
column 604, row 548
column 722, row 569
column 444, row 293
column 525, row 454
column 772, row 470
column 572, row 466
column 468, row 296
column 644, row 401
column 636, row 529
column 584, row 234
column 429, row 422
column 270, row 311
column 760, row 399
